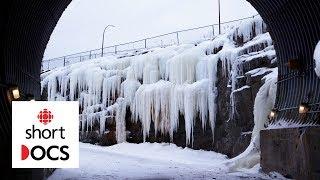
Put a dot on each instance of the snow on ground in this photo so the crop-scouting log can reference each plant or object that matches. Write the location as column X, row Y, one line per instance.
column 153, row 161
column 316, row 57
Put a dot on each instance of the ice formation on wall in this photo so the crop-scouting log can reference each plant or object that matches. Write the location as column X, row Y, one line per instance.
column 316, row 57
column 157, row 86
column 263, row 104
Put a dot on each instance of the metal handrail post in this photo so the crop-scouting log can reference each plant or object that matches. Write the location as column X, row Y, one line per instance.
column 145, row 43
column 219, row 17
column 212, row 31
column 178, row 42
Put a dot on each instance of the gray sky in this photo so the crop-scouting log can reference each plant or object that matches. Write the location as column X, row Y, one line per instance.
column 81, row 25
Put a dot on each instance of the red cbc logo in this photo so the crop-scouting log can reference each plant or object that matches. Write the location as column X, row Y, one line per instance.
column 45, row 116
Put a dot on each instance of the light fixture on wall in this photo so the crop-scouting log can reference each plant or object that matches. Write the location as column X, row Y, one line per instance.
column 13, row 92
column 304, row 108
column 273, row 113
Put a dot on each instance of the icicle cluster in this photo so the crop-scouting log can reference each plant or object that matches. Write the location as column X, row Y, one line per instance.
column 157, row 87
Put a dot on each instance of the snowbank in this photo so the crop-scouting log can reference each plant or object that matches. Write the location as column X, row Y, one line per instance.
column 153, row 161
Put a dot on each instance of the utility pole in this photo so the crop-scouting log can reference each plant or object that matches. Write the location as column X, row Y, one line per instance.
column 219, row 17
column 103, row 37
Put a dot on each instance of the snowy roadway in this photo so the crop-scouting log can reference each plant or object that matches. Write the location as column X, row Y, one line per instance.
column 151, row 161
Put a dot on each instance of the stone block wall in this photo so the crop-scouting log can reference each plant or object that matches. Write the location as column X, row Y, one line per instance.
column 293, row 152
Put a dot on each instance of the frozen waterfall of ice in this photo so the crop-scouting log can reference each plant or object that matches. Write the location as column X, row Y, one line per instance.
column 157, row 86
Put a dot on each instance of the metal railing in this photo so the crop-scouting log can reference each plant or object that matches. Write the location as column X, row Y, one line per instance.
column 193, row 35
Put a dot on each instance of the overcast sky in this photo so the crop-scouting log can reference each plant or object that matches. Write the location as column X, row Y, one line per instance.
column 81, row 25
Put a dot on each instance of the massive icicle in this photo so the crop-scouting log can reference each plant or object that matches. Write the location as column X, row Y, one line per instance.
column 152, row 103
column 120, row 120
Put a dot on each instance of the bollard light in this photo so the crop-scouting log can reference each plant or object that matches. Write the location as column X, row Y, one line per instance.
column 304, row 108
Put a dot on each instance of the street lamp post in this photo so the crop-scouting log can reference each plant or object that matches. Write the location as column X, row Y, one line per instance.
column 103, row 37
column 219, row 17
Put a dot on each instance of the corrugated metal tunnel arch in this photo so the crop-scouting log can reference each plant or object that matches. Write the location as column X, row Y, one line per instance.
column 26, row 26
column 295, row 30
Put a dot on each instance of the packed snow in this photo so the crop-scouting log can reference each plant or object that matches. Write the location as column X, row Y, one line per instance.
column 160, row 85
column 153, row 161
column 258, row 71
column 286, row 123
column 316, row 57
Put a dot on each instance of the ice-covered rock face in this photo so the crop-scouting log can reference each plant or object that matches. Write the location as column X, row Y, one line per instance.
column 316, row 57
column 158, row 86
